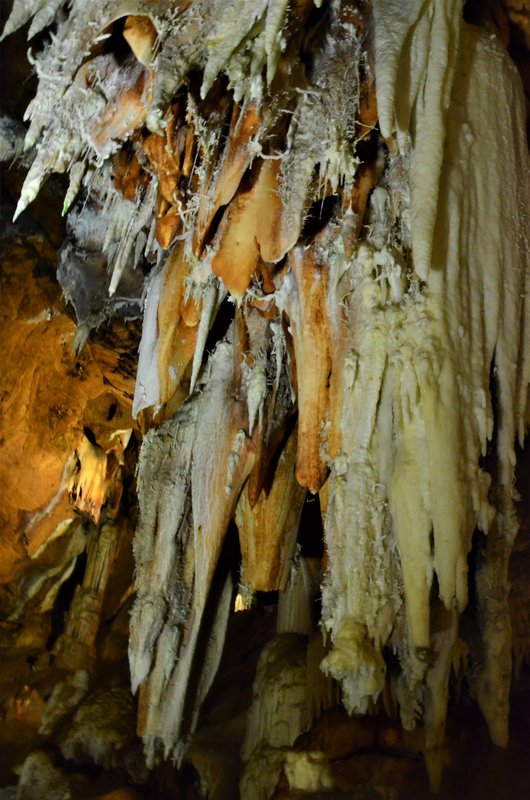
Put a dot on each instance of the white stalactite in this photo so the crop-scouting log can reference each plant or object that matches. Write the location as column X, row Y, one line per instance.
column 427, row 319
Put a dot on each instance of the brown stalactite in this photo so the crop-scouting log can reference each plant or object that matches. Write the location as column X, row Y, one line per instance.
column 268, row 551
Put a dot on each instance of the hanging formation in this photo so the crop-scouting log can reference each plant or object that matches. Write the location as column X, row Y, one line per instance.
column 325, row 207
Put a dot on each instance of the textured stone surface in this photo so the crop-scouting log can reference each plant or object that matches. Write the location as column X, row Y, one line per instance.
column 235, row 185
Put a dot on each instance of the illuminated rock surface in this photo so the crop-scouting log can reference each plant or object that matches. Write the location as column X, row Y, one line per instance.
column 277, row 531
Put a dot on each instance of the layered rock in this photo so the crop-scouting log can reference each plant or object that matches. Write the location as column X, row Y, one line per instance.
column 321, row 211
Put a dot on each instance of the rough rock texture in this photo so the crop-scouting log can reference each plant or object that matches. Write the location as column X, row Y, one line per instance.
column 321, row 210
column 46, row 408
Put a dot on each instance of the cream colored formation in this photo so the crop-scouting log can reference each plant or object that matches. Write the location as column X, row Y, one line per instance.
column 382, row 297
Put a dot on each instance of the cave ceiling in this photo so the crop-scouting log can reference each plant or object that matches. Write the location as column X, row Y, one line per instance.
column 264, row 528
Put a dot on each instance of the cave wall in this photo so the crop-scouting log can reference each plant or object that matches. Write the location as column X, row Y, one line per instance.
column 88, row 539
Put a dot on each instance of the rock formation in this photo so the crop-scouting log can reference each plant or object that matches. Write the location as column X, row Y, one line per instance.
column 258, row 458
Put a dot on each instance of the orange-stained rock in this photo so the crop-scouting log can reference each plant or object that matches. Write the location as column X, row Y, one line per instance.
column 236, row 160
column 128, row 175
column 268, row 531
column 124, row 112
column 237, row 255
column 166, row 154
column 311, row 336
column 167, row 226
column 140, row 34
column 48, row 397
column 178, row 319
column 367, row 116
column 247, row 232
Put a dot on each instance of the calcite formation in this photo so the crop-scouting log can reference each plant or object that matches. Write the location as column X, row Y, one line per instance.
column 322, row 210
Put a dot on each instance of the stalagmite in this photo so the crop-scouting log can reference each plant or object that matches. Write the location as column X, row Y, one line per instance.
column 323, row 210
column 278, row 715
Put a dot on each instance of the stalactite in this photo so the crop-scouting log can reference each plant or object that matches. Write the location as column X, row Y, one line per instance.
column 324, row 277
